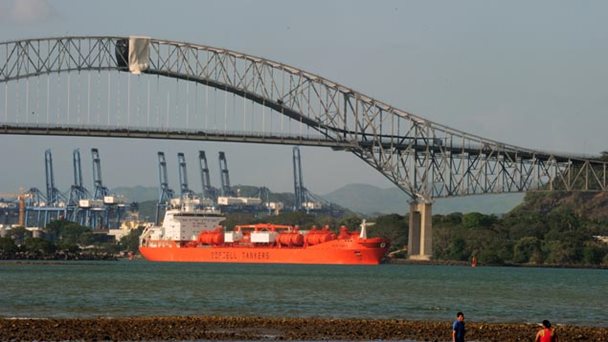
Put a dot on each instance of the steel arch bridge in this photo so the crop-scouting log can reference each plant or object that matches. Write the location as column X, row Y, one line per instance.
column 281, row 104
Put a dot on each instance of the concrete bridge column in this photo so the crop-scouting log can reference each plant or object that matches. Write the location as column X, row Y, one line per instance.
column 420, row 242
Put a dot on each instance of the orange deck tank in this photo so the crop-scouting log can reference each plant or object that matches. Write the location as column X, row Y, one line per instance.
column 212, row 237
column 290, row 239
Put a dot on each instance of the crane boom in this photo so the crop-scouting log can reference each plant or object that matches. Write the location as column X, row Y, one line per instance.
column 100, row 190
column 77, row 192
column 53, row 195
column 183, row 176
column 77, row 168
column 225, row 177
column 205, row 180
column 50, row 179
column 166, row 193
column 298, row 184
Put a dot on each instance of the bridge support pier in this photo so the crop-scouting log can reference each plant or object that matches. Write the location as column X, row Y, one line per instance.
column 420, row 242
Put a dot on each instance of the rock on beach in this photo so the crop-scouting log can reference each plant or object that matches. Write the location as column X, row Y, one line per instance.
column 265, row 328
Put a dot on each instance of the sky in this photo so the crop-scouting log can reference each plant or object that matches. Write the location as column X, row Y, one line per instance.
column 529, row 73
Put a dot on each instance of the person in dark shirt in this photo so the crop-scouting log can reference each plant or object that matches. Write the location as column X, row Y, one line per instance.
column 458, row 328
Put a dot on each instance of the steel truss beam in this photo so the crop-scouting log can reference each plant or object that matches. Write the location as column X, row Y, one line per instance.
column 423, row 158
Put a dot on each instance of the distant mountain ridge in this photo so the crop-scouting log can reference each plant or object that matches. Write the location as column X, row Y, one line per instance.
column 369, row 200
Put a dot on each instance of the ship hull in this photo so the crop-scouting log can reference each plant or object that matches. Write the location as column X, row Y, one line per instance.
column 333, row 252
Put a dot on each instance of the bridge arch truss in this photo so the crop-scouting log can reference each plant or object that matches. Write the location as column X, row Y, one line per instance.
column 425, row 159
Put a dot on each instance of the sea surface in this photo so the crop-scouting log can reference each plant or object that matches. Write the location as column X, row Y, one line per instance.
column 414, row 292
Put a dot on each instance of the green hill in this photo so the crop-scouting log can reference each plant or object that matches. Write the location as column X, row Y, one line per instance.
column 547, row 228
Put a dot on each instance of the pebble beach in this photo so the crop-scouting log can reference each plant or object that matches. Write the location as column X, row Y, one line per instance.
column 263, row 328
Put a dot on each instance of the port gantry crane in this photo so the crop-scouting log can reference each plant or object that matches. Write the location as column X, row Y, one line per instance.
column 304, row 199
column 209, row 193
column 47, row 207
column 33, row 204
column 185, row 191
column 229, row 199
column 52, row 194
column 100, row 190
column 226, row 190
column 166, row 193
column 108, row 206
column 102, row 210
column 99, row 213
column 298, row 185
column 56, row 201
column 79, row 195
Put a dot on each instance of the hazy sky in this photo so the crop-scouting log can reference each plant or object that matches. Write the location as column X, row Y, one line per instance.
column 529, row 73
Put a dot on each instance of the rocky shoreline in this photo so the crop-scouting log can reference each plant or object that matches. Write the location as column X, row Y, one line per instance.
column 265, row 328
column 60, row 255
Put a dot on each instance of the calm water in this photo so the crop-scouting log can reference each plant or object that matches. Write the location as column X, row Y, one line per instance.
column 139, row 288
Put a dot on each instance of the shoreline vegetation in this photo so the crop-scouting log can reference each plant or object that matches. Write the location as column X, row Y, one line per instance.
column 273, row 328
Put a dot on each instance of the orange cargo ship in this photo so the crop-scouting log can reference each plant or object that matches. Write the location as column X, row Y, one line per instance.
column 192, row 236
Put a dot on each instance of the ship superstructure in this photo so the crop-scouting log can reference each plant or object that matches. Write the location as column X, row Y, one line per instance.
column 184, row 220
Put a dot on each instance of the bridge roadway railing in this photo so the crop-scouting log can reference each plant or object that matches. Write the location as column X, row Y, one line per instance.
column 425, row 159
column 170, row 134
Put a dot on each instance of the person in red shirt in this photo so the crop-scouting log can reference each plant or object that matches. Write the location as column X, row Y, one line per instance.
column 546, row 334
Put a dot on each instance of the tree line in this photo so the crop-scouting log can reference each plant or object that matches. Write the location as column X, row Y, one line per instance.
column 546, row 229
column 67, row 240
